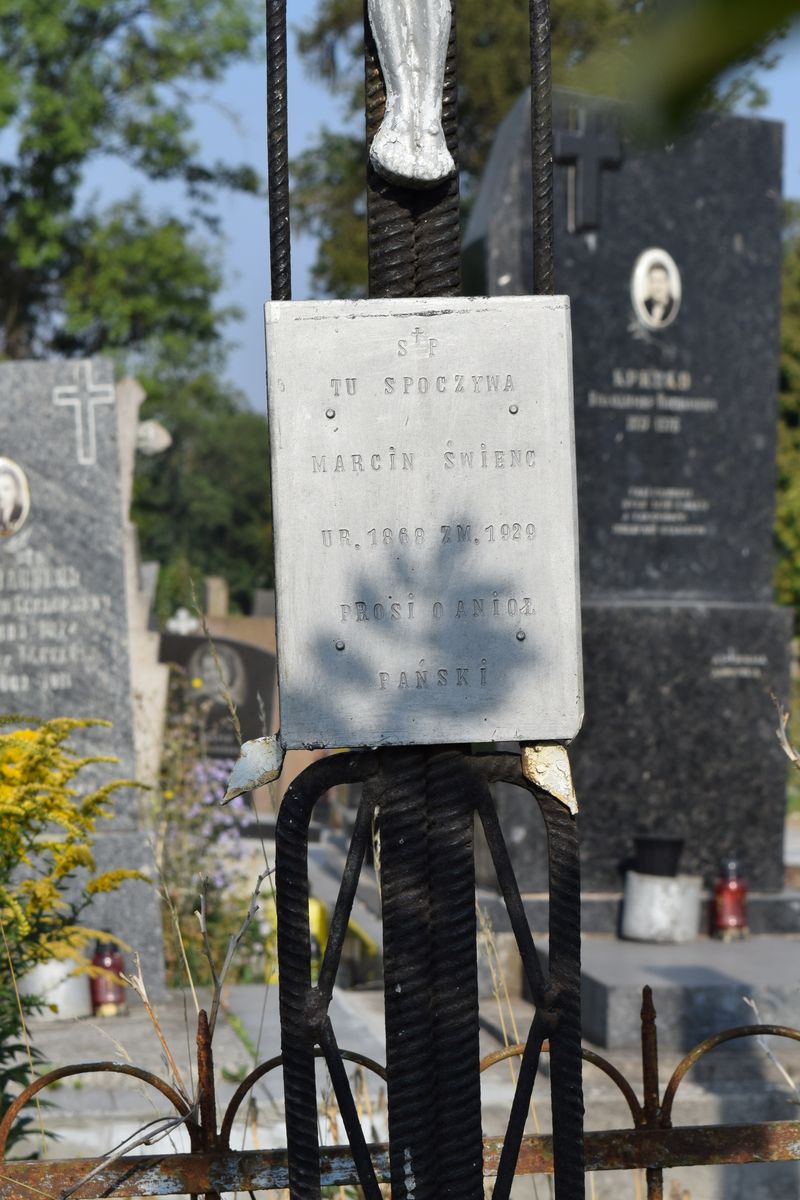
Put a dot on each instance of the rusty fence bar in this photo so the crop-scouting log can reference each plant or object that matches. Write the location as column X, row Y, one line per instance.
column 229, row 1170
column 280, row 249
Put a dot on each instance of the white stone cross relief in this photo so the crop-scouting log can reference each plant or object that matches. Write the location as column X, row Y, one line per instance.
column 84, row 397
column 183, row 622
column 411, row 37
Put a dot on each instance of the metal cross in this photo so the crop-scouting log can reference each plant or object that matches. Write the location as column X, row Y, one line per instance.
column 587, row 152
column 84, row 397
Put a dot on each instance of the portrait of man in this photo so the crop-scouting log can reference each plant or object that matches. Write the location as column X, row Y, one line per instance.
column 14, row 497
column 656, row 288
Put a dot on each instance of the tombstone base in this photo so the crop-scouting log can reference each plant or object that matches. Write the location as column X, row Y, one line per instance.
column 679, row 740
column 679, row 737
column 768, row 913
column 698, row 988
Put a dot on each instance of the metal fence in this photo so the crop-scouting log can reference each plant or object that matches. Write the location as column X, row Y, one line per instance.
column 458, row 791
column 212, row 1168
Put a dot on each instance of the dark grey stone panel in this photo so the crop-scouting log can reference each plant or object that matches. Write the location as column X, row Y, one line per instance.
column 675, row 422
column 679, row 737
column 678, row 740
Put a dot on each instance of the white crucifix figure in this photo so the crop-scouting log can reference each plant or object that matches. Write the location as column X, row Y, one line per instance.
column 411, row 37
column 84, row 397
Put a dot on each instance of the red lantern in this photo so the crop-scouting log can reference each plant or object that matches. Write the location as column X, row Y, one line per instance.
column 108, row 994
column 729, row 911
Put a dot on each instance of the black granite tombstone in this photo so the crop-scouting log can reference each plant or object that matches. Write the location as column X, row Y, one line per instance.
column 216, row 672
column 671, row 257
column 63, row 607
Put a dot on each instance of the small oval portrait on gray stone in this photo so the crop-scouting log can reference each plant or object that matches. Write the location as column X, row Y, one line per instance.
column 15, row 497
column 215, row 677
column 656, row 288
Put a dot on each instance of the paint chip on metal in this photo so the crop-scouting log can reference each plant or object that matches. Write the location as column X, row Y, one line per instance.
column 547, row 765
column 259, row 762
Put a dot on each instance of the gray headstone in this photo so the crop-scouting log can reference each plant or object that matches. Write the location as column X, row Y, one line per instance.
column 264, row 602
column 64, row 648
column 671, row 258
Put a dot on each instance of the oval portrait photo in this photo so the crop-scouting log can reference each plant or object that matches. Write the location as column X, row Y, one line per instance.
column 218, row 672
column 15, row 497
column 656, row 288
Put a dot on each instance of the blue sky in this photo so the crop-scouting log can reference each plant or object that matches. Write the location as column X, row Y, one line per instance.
column 233, row 127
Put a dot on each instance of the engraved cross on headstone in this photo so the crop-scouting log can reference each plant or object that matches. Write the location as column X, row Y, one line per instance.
column 84, row 397
column 587, row 151
column 183, row 622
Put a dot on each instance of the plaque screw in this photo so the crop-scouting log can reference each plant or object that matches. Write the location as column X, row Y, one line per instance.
column 340, row 645
column 330, row 414
column 513, row 409
column 520, row 635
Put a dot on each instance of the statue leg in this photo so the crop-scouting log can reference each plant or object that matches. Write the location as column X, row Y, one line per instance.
column 411, row 37
column 436, row 18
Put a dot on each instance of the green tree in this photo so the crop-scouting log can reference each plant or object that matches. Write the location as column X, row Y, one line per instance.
column 592, row 47
column 113, row 80
column 202, row 508
column 81, row 79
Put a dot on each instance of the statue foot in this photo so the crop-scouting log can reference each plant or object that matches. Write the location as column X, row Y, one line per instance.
column 411, row 154
column 434, row 149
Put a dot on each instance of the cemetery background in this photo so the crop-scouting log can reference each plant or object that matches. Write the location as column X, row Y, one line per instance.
column 253, row 426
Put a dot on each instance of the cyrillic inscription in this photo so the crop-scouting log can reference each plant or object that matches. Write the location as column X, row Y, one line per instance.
column 733, row 665
column 662, row 512
column 37, row 632
column 655, row 400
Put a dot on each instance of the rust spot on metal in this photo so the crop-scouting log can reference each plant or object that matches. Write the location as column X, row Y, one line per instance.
column 270, row 1065
column 589, row 1056
column 229, row 1171
column 205, row 1080
column 694, row 1056
column 176, row 1100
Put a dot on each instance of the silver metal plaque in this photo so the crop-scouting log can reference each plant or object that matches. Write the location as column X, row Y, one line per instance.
column 423, row 479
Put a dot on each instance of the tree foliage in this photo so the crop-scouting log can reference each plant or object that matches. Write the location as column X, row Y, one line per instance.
column 696, row 50
column 202, row 508
column 111, row 82
column 48, row 875
column 81, row 80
